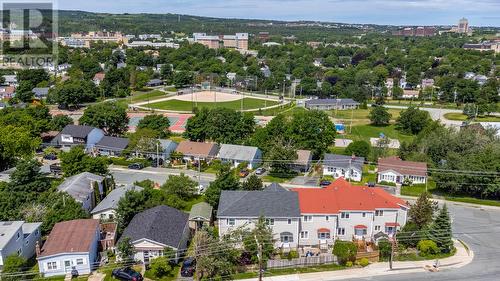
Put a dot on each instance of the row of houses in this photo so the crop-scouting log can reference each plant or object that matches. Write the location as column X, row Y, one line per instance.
column 389, row 169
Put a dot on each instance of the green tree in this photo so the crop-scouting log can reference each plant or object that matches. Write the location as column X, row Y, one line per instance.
column 181, row 186
column 156, row 122
column 440, row 230
column 345, row 251
column 261, row 234
column 427, row 247
column 125, row 249
column 109, row 116
column 253, row 182
column 380, row 116
column 358, row 148
column 422, row 212
column 73, row 92
column 76, row 161
column 280, row 156
column 144, row 140
column 11, row 265
column 226, row 180
column 15, row 142
column 59, row 206
column 412, row 120
column 60, row 121
column 160, row 267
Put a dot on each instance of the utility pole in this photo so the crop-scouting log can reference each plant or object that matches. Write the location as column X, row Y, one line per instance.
column 259, row 256
column 352, row 116
column 393, row 244
column 158, row 153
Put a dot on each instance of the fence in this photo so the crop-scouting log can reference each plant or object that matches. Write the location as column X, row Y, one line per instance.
column 303, row 261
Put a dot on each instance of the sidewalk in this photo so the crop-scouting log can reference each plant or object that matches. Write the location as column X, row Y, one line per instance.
column 461, row 258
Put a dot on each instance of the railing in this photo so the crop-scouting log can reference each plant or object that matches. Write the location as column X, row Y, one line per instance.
column 302, row 261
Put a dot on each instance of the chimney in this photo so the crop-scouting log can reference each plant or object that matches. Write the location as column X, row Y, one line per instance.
column 37, row 248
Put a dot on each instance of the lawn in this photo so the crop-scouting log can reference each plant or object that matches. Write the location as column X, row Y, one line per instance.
column 173, row 276
column 359, row 116
column 365, row 132
column 461, row 117
column 269, row 178
column 277, row 110
column 144, row 96
column 178, row 105
column 292, row 270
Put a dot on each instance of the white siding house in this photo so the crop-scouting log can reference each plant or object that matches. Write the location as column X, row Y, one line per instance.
column 394, row 170
column 348, row 167
column 18, row 237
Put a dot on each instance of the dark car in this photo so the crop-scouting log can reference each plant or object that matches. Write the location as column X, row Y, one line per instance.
column 260, row 171
column 127, row 274
column 50, row 156
column 136, row 166
column 325, row 183
column 370, row 184
column 188, row 267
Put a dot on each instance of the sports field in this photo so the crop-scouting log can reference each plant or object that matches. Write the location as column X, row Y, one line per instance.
column 181, row 105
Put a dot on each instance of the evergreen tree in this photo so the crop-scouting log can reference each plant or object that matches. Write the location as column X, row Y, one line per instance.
column 440, row 231
column 422, row 211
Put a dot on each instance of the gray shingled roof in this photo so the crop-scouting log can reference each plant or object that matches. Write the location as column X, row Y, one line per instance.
column 113, row 143
column 40, row 92
column 270, row 202
column 110, row 202
column 79, row 186
column 161, row 224
column 332, row 102
column 201, row 210
column 343, row 161
column 78, row 131
column 238, row 152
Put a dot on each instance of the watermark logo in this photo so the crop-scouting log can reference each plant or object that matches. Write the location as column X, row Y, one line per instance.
column 28, row 34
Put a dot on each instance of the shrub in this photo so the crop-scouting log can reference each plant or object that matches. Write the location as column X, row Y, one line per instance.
column 364, row 262
column 385, row 248
column 345, row 251
column 160, row 267
column 349, row 264
column 290, row 255
column 427, row 247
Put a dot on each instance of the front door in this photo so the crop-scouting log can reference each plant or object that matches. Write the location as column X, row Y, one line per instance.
column 146, row 257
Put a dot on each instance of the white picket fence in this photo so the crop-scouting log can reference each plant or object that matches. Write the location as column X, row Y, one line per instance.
column 302, row 261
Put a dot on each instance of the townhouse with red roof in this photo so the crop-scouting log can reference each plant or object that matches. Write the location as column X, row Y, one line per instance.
column 393, row 169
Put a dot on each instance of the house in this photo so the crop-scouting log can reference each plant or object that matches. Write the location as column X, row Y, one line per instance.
column 40, row 92
column 410, row 94
column 70, row 245
column 166, row 147
column 7, row 92
column 98, row 78
column 154, row 229
column 303, row 162
column 2, row 105
column 237, row 154
column 73, row 135
column 279, row 206
column 329, row 104
column 427, row 83
column 154, row 83
column 10, row 80
column 111, row 146
column 346, row 212
column 196, row 151
column 393, row 169
column 18, row 237
column 200, row 215
column 82, row 188
column 348, row 167
column 106, row 209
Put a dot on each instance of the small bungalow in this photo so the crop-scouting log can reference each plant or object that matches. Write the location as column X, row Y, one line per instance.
column 106, row 209
column 348, row 167
column 303, row 162
column 98, row 78
column 82, row 188
column 111, row 146
column 40, row 92
column 329, row 104
column 71, row 245
column 200, row 215
column 154, row 83
column 196, row 151
column 152, row 230
column 394, row 170
column 237, row 154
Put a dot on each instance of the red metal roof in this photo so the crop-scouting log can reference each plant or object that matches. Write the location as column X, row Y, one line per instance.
column 342, row 196
column 322, row 230
column 360, row 226
column 391, row 224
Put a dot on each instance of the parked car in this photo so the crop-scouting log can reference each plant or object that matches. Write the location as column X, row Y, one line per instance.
column 136, row 166
column 370, row 184
column 260, row 171
column 188, row 267
column 50, row 156
column 126, row 274
column 324, row 183
column 243, row 173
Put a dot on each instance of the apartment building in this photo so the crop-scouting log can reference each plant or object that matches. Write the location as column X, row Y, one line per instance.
column 238, row 41
column 84, row 39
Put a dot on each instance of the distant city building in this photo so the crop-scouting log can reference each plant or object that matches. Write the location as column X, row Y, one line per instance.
column 462, row 27
column 420, row 31
column 483, row 46
column 84, row 39
column 264, row 36
column 137, row 44
column 238, row 41
column 150, row 36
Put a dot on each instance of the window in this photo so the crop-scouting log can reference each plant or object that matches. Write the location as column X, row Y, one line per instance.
column 79, row 261
column 360, row 231
column 103, row 216
column 377, row 227
column 270, row 221
column 51, row 265
column 323, row 235
column 289, row 221
column 110, row 216
column 67, row 264
column 36, row 232
column 27, row 242
column 230, row 222
column 344, row 215
column 304, row 235
column 308, row 218
column 341, row 231
column 327, row 218
column 20, row 251
column 18, row 235
column 379, row 213
column 286, row 237
column 364, row 215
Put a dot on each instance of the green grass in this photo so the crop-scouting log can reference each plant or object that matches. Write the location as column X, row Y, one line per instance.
column 471, row 200
column 360, row 116
column 269, row 178
column 292, row 270
column 178, row 105
column 277, row 110
column 415, row 257
column 171, row 277
column 417, row 189
column 365, row 132
column 461, row 117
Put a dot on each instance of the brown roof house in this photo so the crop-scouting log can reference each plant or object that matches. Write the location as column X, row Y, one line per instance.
column 70, row 245
column 303, row 162
column 195, row 151
column 98, row 78
column 394, row 170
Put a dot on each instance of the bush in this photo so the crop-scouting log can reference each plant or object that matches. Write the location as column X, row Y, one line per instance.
column 160, row 267
column 364, row 262
column 427, row 247
column 384, row 247
column 290, row 255
column 345, row 251
column 349, row 264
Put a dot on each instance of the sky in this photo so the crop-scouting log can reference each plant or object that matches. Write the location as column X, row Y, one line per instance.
column 393, row 12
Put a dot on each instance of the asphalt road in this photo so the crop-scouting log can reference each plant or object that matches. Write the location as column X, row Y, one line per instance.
column 480, row 229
